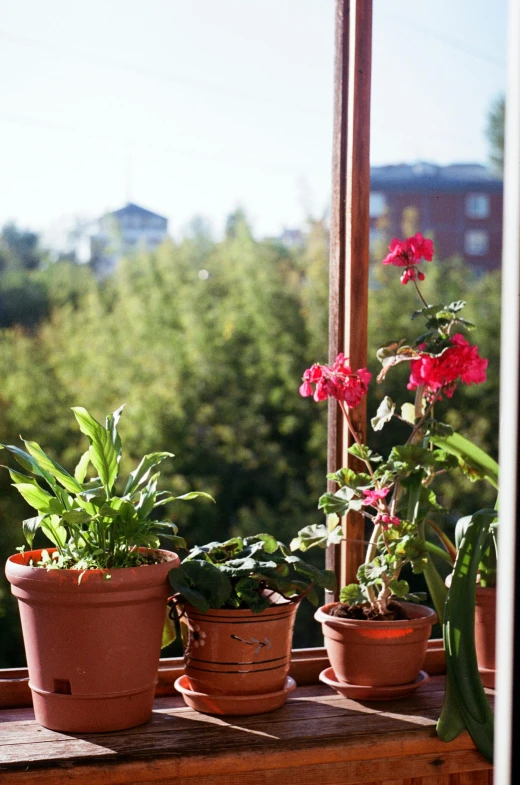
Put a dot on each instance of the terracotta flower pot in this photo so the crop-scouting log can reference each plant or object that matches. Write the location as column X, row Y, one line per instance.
column 377, row 653
column 485, row 626
column 238, row 652
column 92, row 645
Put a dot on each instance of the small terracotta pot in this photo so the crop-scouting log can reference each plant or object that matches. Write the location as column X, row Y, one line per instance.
column 377, row 653
column 92, row 645
column 485, row 627
column 238, row 652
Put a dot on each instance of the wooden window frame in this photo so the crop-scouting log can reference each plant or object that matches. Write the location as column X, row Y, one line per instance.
column 349, row 247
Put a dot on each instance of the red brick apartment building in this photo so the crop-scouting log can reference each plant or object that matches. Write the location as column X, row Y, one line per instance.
column 458, row 206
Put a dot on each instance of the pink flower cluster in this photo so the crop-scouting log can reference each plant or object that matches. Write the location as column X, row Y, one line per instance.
column 443, row 370
column 373, row 495
column 385, row 520
column 408, row 253
column 339, row 382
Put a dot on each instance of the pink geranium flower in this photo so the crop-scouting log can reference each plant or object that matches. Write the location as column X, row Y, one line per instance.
column 408, row 253
column 339, row 382
column 373, row 495
column 442, row 371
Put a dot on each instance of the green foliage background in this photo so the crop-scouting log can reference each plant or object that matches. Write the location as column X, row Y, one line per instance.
column 209, row 370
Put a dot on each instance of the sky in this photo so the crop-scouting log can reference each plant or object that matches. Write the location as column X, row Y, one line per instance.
column 195, row 108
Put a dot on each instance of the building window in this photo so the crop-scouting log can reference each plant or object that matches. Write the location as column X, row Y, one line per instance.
column 476, row 242
column 477, row 205
column 377, row 204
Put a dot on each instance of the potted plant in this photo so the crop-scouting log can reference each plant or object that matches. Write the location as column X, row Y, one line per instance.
column 238, row 600
column 92, row 606
column 367, row 631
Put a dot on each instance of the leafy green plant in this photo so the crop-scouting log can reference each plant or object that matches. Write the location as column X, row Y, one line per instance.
column 90, row 525
column 246, row 573
column 465, row 703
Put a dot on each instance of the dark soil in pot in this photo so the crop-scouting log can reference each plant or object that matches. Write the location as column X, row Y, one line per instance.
column 395, row 612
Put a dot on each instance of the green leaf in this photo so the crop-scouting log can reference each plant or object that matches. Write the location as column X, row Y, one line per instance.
column 185, row 497
column 340, row 502
column 50, row 466
column 38, row 498
column 248, row 592
column 76, row 517
column 56, row 533
column 267, row 542
column 399, row 589
column 81, row 469
column 177, row 542
column 111, row 426
column 169, row 633
column 352, row 594
column 194, row 495
column 140, row 475
column 19, row 477
column 103, row 454
column 317, row 535
column 30, row 526
column 202, row 584
column 408, row 413
column 475, row 463
column 384, row 414
column 29, row 464
column 364, row 453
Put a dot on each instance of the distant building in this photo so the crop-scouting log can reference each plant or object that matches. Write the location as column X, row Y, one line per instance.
column 459, row 206
column 292, row 238
column 123, row 232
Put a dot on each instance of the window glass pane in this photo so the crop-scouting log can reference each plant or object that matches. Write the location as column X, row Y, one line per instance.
column 477, row 206
column 168, row 173
column 440, row 173
column 476, row 242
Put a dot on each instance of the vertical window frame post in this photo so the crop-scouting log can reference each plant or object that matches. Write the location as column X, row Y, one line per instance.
column 349, row 247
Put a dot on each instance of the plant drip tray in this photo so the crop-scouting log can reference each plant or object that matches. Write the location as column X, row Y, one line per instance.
column 362, row 692
column 233, row 704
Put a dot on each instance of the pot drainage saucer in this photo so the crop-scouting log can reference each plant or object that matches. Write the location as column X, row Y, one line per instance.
column 233, row 704
column 362, row 692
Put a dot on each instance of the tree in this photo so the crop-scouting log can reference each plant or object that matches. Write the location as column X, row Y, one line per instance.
column 19, row 249
column 495, row 133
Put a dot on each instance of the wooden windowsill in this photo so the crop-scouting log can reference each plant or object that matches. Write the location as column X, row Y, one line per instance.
column 317, row 737
column 306, row 665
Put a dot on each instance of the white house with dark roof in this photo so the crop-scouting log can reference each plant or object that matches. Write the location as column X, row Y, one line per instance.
column 122, row 232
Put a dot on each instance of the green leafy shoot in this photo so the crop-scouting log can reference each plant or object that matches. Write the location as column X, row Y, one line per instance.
column 90, row 525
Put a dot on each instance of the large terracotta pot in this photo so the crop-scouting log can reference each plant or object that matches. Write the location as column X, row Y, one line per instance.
column 92, row 645
column 238, row 652
column 485, row 624
column 377, row 653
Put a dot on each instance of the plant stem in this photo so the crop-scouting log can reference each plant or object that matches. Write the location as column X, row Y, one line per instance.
column 420, row 295
column 355, row 436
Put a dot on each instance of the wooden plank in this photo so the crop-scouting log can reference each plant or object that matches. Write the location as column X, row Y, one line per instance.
column 238, row 772
column 317, row 737
column 348, row 277
column 472, row 778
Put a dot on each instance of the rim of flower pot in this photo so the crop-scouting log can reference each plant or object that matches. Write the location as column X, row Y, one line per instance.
column 17, row 569
column 241, row 613
column 422, row 615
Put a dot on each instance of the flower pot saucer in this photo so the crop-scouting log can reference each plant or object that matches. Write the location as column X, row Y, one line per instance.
column 233, row 704
column 362, row 692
